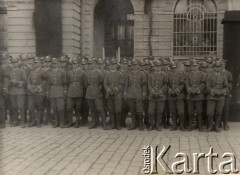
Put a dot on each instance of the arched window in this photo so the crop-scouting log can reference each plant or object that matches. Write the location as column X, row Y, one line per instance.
column 195, row 28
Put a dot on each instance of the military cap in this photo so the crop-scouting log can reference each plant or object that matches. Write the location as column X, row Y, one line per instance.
column 158, row 63
column 218, row 64
column 134, row 62
column 4, row 56
column 147, row 62
column 14, row 60
column 47, row 59
column 124, row 61
column 173, row 65
column 151, row 63
column 203, row 65
column 194, row 63
column 150, row 58
column 83, row 62
column 55, row 61
column 113, row 61
column 74, row 60
column 100, row 61
column 63, row 59
column 187, row 63
column 23, row 57
column 165, row 62
column 209, row 60
column 37, row 60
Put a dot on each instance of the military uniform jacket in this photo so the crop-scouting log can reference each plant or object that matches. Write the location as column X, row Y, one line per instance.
column 216, row 82
column 1, row 82
column 114, row 79
column 76, row 83
column 94, row 84
column 229, row 77
column 176, row 83
column 136, row 84
column 157, row 81
column 16, row 82
column 57, row 83
column 195, row 80
column 37, row 82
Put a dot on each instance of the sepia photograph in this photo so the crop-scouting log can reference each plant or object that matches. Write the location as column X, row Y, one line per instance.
column 119, row 87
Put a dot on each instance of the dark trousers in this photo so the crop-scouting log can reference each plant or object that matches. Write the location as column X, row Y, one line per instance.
column 74, row 104
column 17, row 104
column 155, row 108
column 136, row 109
column 2, row 111
column 226, row 111
column 35, row 104
column 192, row 107
column 57, row 107
column 215, row 108
column 97, row 110
column 177, row 110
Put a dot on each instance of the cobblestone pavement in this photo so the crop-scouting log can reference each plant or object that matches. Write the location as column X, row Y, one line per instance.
column 82, row 151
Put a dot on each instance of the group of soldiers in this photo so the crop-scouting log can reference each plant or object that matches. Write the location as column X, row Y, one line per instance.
column 153, row 92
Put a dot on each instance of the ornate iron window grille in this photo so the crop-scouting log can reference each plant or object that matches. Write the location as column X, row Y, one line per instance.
column 195, row 32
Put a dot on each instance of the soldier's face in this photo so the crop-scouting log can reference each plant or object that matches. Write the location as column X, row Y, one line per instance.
column 217, row 69
column 54, row 66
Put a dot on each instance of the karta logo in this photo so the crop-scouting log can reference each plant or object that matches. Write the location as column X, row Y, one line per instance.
column 154, row 159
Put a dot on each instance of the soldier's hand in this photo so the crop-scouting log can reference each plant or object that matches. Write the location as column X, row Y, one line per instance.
column 160, row 93
column 177, row 91
column 170, row 92
column 213, row 93
column 190, row 91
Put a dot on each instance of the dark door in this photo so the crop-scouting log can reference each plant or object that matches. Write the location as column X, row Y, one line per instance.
column 48, row 27
column 231, row 52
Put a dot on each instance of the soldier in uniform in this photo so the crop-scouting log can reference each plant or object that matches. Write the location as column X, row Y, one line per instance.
column 47, row 103
column 124, row 71
column 2, row 111
column 84, row 108
column 157, row 87
column 195, row 85
column 94, row 95
column 113, row 84
column 217, row 87
column 16, row 86
column 176, row 96
column 166, row 116
column 225, row 117
column 57, row 91
column 6, row 68
column 76, row 78
column 136, row 92
column 37, row 84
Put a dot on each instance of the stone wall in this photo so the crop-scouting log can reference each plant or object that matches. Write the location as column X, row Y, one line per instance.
column 71, row 20
column 20, row 26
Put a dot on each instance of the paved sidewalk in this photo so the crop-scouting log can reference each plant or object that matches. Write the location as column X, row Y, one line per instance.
column 82, row 151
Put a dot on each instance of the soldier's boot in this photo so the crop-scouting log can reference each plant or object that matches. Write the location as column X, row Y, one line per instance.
column 190, row 117
column 182, row 120
column 56, row 119
column 118, row 121
column 70, row 120
column 225, row 122
column 103, row 120
column 113, row 122
column 32, row 120
column 2, row 113
column 15, row 118
column 174, row 120
column 200, row 123
column 39, row 118
column 218, row 120
column 22, row 115
column 141, row 125
column 77, row 124
column 159, row 122
column 151, row 123
column 210, row 124
column 62, row 119
column 133, row 125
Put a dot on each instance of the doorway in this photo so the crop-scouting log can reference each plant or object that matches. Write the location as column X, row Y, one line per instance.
column 113, row 28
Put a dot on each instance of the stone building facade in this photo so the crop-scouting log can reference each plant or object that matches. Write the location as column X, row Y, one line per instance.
column 153, row 26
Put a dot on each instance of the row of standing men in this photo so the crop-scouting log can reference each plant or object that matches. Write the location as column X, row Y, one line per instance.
column 153, row 92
